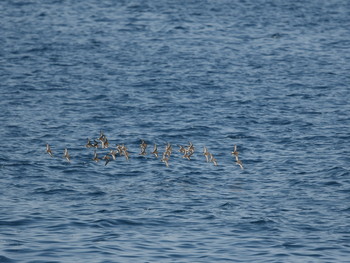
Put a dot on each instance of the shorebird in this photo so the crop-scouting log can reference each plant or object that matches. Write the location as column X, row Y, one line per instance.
column 120, row 149
column 188, row 151
column 168, row 149
column 235, row 152
column 107, row 158
column 124, row 148
column 48, row 150
column 124, row 151
column 239, row 162
column 182, row 149
column 165, row 159
column 95, row 157
column 89, row 144
column 95, row 145
column 188, row 154
column 206, row 154
column 102, row 136
column 190, row 147
column 143, row 144
column 155, row 151
column 143, row 147
column 66, row 155
column 113, row 153
column 104, row 143
column 143, row 152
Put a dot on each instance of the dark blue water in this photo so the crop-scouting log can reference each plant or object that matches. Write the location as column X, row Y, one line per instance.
column 270, row 76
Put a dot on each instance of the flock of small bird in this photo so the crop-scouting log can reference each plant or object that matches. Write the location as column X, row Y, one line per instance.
column 121, row 150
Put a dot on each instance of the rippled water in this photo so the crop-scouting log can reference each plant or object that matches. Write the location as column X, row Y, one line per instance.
column 270, row 76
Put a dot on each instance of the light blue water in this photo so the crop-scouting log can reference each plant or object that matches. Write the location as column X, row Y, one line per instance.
column 270, row 76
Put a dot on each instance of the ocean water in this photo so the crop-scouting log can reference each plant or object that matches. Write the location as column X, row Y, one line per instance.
column 271, row 77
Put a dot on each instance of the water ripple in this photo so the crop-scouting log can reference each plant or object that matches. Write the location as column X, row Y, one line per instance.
column 266, row 76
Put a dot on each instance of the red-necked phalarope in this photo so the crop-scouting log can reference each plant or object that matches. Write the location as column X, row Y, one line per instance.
column 168, row 149
column 102, row 136
column 155, row 151
column 89, row 144
column 66, row 155
column 107, row 158
column 48, row 150
column 190, row 146
column 188, row 154
column 104, row 143
column 206, row 154
column 182, row 149
column 165, row 159
column 95, row 144
column 120, row 149
column 95, row 157
column 143, row 147
column 113, row 153
column 235, row 152
column 143, row 144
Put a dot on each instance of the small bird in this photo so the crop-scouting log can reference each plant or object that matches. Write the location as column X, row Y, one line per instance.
column 168, row 149
column 143, row 152
column 182, row 149
column 143, row 144
column 239, row 162
column 235, row 152
column 66, row 155
column 102, row 136
column 155, row 151
column 107, row 158
column 48, row 150
column 165, row 159
column 95, row 157
column 104, row 143
column 188, row 151
column 95, row 144
column 190, row 147
column 89, row 144
column 188, row 154
column 120, row 149
column 124, row 148
column 113, row 153
column 206, row 154
column 143, row 147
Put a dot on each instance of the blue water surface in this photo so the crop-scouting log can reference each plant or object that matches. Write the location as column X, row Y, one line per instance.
column 271, row 77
